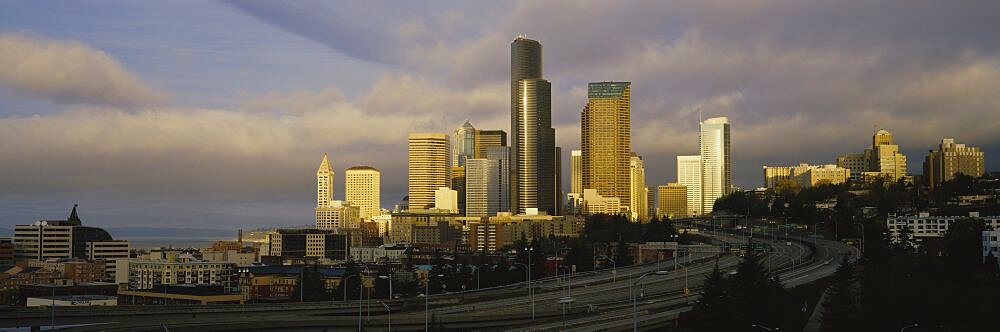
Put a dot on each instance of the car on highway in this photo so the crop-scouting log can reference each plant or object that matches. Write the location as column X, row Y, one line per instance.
column 788, row 243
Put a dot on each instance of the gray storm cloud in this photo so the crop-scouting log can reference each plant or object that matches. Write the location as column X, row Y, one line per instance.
column 69, row 72
column 800, row 81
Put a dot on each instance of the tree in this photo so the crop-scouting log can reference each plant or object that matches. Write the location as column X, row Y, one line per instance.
column 314, row 290
column 715, row 298
column 351, row 280
column 842, row 301
column 623, row 256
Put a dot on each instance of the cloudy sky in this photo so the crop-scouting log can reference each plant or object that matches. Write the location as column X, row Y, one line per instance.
column 216, row 114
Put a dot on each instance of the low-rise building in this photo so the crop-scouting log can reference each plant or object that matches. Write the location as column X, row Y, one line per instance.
column 146, row 275
column 991, row 244
column 806, row 175
column 73, row 301
column 594, row 203
column 424, row 226
column 338, row 214
column 924, row 225
column 383, row 253
column 278, row 283
column 185, row 294
column 311, row 243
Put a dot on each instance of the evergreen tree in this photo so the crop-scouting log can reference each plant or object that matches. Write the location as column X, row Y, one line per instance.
column 715, row 298
column 623, row 256
column 842, row 299
column 314, row 290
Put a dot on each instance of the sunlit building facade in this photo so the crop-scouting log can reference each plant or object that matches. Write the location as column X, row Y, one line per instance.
column 362, row 189
column 533, row 151
column 606, row 140
column 428, row 168
column 716, row 163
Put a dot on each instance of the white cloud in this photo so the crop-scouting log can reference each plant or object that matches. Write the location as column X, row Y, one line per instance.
column 70, row 72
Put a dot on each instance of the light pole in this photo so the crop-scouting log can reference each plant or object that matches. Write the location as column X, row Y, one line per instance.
column 427, row 294
column 530, row 294
column 862, row 223
column 531, row 291
column 635, row 322
column 389, row 277
column 909, row 326
column 765, row 328
column 345, row 286
column 389, row 313
column 614, row 267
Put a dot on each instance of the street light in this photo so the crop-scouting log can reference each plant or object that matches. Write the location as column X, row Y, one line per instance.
column 765, row 328
column 390, row 283
column 389, row 313
column 635, row 322
column 530, row 294
column 614, row 267
column 427, row 294
column 345, row 285
column 909, row 326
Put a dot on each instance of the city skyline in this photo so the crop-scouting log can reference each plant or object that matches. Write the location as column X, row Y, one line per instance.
column 167, row 127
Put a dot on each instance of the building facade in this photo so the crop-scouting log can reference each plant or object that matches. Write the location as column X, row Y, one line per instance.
column 464, row 144
column 501, row 155
column 638, row 205
column 428, row 168
column 673, row 201
column 532, row 158
column 486, row 139
column 606, row 140
column 362, row 188
column 482, row 190
column 716, row 163
column 805, row 175
column 594, row 203
column 576, row 171
column 153, row 274
column 338, row 214
column 951, row 159
column 689, row 176
column 309, row 243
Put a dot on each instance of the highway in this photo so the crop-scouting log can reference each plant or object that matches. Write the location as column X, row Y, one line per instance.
column 600, row 300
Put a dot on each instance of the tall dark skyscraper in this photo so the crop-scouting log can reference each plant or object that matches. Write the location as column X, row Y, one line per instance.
column 533, row 152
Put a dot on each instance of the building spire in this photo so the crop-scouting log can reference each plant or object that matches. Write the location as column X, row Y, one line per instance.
column 324, row 166
column 73, row 217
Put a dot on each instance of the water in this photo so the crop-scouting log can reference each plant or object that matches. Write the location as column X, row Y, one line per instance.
column 151, row 242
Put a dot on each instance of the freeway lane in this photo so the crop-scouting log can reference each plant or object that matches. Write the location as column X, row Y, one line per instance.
column 593, row 290
column 659, row 313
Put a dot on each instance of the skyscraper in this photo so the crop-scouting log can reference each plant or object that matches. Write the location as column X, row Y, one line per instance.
column 482, row 188
column 637, row 189
column 464, row 146
column 324, row 183
column 532, row 136
column 489, row 138
column 673, row 200
column 362, row 189
column 458, row 183
column 576, row 171
column 689, row 176
column 428, row 168
column 605, row 140
column 716, row 165
column 501, row 155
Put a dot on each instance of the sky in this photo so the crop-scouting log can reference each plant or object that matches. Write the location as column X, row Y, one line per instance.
column 215, row 115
